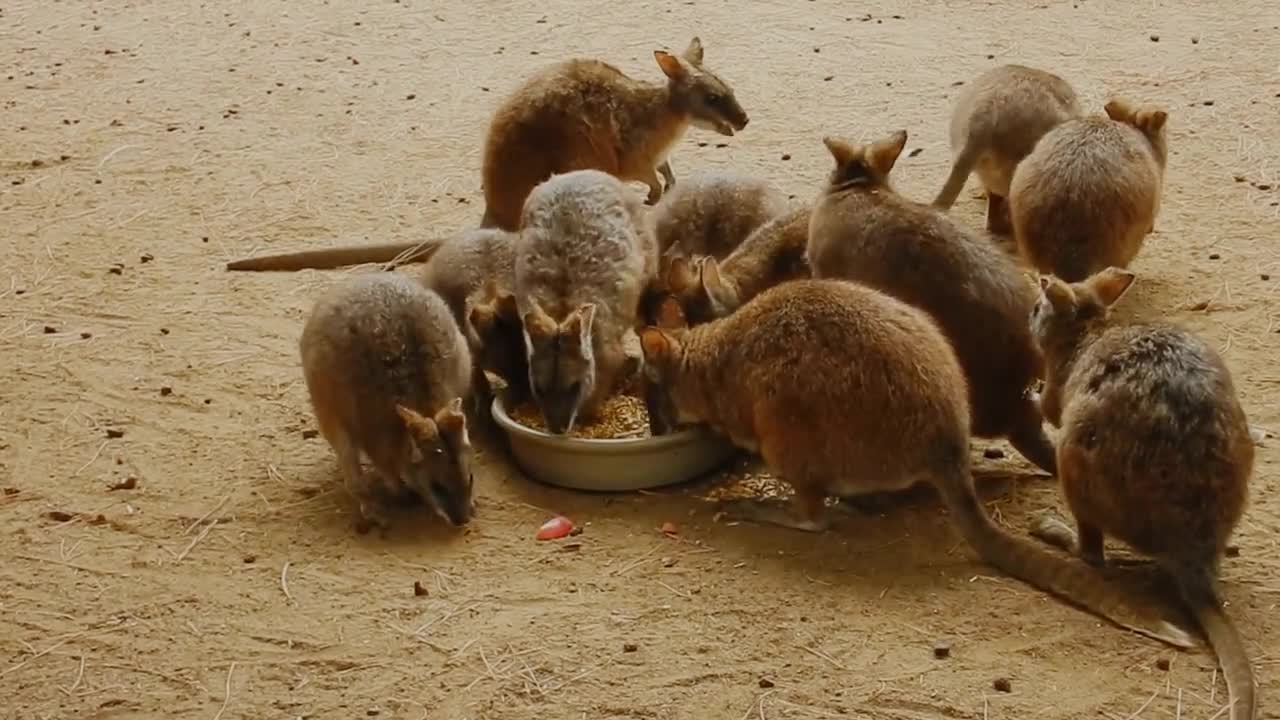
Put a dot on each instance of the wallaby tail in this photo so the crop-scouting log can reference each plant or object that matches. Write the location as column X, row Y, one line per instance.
column 1072, row 581
column 961, row 168
column 329, row 258
column 1197, row 588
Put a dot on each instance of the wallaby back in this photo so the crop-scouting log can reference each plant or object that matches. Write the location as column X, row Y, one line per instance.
column 1087, row 196
column 374, row 345
column 866, row 232
column 586, row 114
column 711, row 213
column 997, row 120
column 844, row 390
column 583, row 259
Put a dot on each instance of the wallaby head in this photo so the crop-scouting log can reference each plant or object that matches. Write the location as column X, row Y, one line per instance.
column 1148, row 119
column 662, row 357
column 495, row 333
column 562, row 363
column 438, row 462
column 694, row 89
column 866, row 165
column 702, row 292
column 1065, row 312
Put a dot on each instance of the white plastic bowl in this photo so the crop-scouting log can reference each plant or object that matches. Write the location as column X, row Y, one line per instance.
column 613, row 465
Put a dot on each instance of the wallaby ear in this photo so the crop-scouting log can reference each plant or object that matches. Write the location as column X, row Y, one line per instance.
column 419, row 426
column 1057, row 292
column 480, row 316
column 505, row 307
column 538, row 325
column 451, row 419
column 843, row 151
column 1151, row 121
column 693, row 53
column 714, row 286
column 882, row 155
column 1120, row 110
column 680, row 277
column 670, row 64
column 1111, row 284
column 671, row 314
column 656, row 345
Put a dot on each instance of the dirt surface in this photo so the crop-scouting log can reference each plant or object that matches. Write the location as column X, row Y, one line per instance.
column 145, row 143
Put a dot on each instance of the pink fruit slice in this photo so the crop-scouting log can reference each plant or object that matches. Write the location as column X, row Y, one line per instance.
column 555, row 528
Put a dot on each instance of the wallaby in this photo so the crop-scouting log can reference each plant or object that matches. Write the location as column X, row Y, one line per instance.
column 1088, row 194
column 327, row 258
column 587, row 115
column 387, row 369
column 584, row 258
column 475, row 274
column 996, row 122
column 845, row 391
column 773, row 254
column 862, row 230
column 1154, row 451
column 711, row 213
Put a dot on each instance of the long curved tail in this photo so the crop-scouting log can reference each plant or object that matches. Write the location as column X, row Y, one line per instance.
column 961, row 168
column 1070, row 580
column 1197, row 588
column 328, row 258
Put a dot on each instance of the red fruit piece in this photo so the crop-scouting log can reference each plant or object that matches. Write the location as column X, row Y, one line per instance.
column 669, row 528
column 555, row 528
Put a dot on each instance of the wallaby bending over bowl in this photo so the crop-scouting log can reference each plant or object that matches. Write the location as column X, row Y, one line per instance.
column 711, row 213
column 1086, row 197
column 864, row 231
column 584, row 258
column 1155, row 448
column 587, row 115
column 845, row 391
column 387, row 368
column 997, row 120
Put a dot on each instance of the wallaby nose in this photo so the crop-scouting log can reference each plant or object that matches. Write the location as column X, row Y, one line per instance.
column 743, row 122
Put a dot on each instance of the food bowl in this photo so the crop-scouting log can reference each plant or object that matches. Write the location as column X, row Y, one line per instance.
column 613, row 465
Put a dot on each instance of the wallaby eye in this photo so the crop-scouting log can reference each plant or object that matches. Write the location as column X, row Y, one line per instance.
column 715, row 99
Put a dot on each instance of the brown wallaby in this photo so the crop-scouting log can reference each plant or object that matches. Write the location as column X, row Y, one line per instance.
column 335, row 257
column 584, row 258
column 996, row 122
column 845, row 391
column 1088, row 194
column 862, row 230
column 773, row 254
column 711, row 213
column 1155, row 448
column 475, row 274
column 587, row 115
column 387, row 369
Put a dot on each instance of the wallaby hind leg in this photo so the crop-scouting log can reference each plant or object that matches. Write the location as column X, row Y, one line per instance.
column 1084, row 540
column 655, row 187
column 806, row 512
column 1032, row 442
column 667, row 176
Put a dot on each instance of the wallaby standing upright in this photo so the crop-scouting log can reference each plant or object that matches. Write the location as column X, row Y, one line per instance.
column 1087, row 196
column 584, row 258
column 587, row 115
column 997, row 120
column 475, row 274
column 862, row 230
column 845, row 391
column 1155, row 448
column 711, row 213
column 387, row 368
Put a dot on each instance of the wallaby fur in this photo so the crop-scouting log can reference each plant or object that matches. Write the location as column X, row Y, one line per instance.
column 335, row 257
column 475, row 274
column 584, row 258
column 586, row 114
column 844, row 391
column 387, row 369
column 1088, row 194
column 863, row 230
column 1154, row 451
column 711, row 213
column 997, row 120
column 773, row 254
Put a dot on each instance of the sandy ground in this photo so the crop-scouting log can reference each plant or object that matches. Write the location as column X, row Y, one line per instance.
column 143, row 144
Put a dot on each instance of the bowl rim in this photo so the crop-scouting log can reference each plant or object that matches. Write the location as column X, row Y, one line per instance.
column 595, row 445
